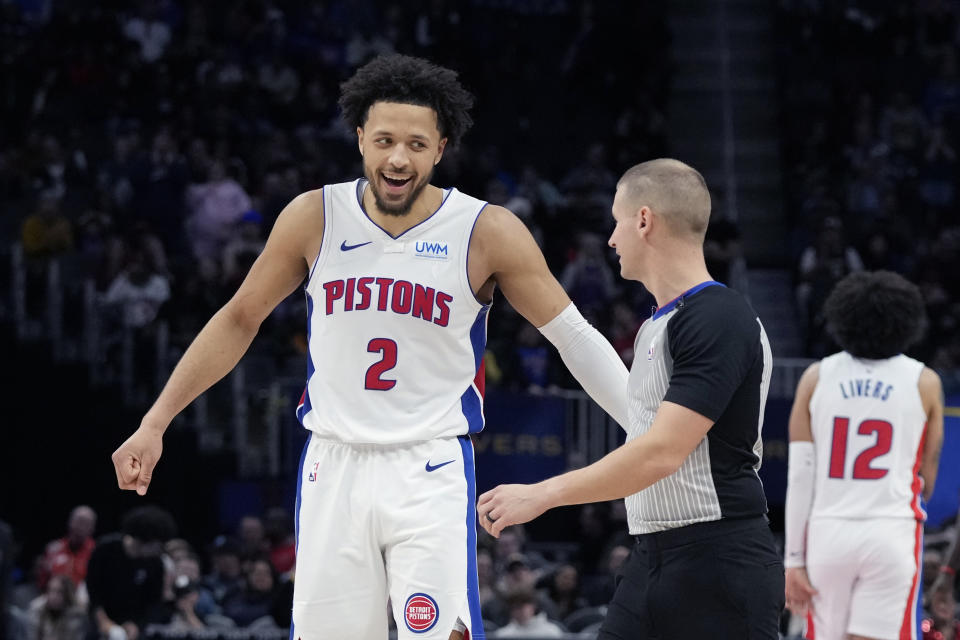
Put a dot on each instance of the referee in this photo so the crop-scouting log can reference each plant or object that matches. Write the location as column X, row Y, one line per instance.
column 705, row 563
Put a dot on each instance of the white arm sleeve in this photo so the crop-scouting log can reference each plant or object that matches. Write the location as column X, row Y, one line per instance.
column 799, row 501
column 591, row 359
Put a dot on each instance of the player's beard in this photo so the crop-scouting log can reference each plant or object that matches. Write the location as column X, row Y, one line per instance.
column 402, row 208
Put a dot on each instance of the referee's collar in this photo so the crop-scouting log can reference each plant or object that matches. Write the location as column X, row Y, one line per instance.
column 678, row 301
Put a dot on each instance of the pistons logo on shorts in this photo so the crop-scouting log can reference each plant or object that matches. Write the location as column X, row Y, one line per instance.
column 420, row 613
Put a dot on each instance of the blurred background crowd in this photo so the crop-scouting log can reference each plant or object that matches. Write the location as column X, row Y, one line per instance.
column 147, row 147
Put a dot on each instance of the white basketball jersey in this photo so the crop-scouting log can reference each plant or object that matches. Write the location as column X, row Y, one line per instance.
column 868, row 428
column 396, row 335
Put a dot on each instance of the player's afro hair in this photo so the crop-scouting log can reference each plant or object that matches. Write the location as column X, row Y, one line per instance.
column 875, row 314
column 408, row 80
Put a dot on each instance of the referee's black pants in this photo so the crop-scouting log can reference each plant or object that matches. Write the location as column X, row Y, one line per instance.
column 721, row 580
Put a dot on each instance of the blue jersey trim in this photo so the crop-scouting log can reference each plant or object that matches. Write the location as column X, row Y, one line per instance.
column 305, row 408
column 478, row 337
column 689, row 292
column 472, row 407
column 296, row 519
column 473, row 583
column 471, row 402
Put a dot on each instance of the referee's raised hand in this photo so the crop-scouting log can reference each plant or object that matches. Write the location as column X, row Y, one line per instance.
column 136, row 458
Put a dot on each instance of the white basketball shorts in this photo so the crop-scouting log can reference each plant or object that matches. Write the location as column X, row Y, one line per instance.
column 866, row 573
column 386, row 520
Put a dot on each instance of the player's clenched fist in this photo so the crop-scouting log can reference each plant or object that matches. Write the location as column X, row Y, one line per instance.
column 135, row 459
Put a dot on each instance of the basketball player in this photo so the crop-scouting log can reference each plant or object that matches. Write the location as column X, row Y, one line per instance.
column 399, row 275
column 705, row 564
column 865, row 436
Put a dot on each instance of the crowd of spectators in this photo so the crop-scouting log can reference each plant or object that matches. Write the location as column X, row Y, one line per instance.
column 143, row 579
column 870, row 129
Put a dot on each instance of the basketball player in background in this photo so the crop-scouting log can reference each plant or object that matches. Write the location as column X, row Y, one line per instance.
column 865, row 434
column 400, row 276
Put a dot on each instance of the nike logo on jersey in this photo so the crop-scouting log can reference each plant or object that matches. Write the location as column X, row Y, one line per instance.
column 350, row 247
column 434, row 467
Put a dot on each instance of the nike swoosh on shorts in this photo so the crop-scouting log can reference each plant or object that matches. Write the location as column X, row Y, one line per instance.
column 434, row 467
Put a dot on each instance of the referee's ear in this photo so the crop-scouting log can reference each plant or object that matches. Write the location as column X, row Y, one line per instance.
column 644, row 216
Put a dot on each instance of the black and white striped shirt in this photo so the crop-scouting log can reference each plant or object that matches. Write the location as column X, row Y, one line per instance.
column 707, row 351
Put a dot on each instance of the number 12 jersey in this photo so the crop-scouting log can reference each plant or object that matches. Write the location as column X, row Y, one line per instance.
column 868, row 427
column 396, row 335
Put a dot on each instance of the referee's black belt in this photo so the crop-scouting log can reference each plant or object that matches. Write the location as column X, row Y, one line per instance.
column 699, row 532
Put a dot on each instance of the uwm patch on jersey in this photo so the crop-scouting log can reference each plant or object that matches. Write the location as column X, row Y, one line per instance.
column 396, row 335
column 432, row 250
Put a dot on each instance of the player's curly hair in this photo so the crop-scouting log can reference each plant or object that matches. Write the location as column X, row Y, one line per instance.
column 875, row 314
column 149, row 524
column 408, row 80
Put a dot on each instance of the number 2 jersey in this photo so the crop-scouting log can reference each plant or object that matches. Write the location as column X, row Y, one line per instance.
column 396, row 335
column 868, row 426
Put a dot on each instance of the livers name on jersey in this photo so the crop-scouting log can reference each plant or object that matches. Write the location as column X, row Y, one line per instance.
column 865, row 388
column 382, row 294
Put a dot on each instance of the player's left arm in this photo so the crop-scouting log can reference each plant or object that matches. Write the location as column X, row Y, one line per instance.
column 675, row 433
column 800, row 491
column 503, row 250
column 800, row 470
column 931, row 394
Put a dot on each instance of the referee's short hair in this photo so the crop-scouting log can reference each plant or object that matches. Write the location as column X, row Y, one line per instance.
column 673, row 190
column 875, row 314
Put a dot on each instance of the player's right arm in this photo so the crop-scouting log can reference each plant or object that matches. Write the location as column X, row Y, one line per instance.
column 931, row 394
column 503, row 252
column 280, row 268
column 800, row 482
